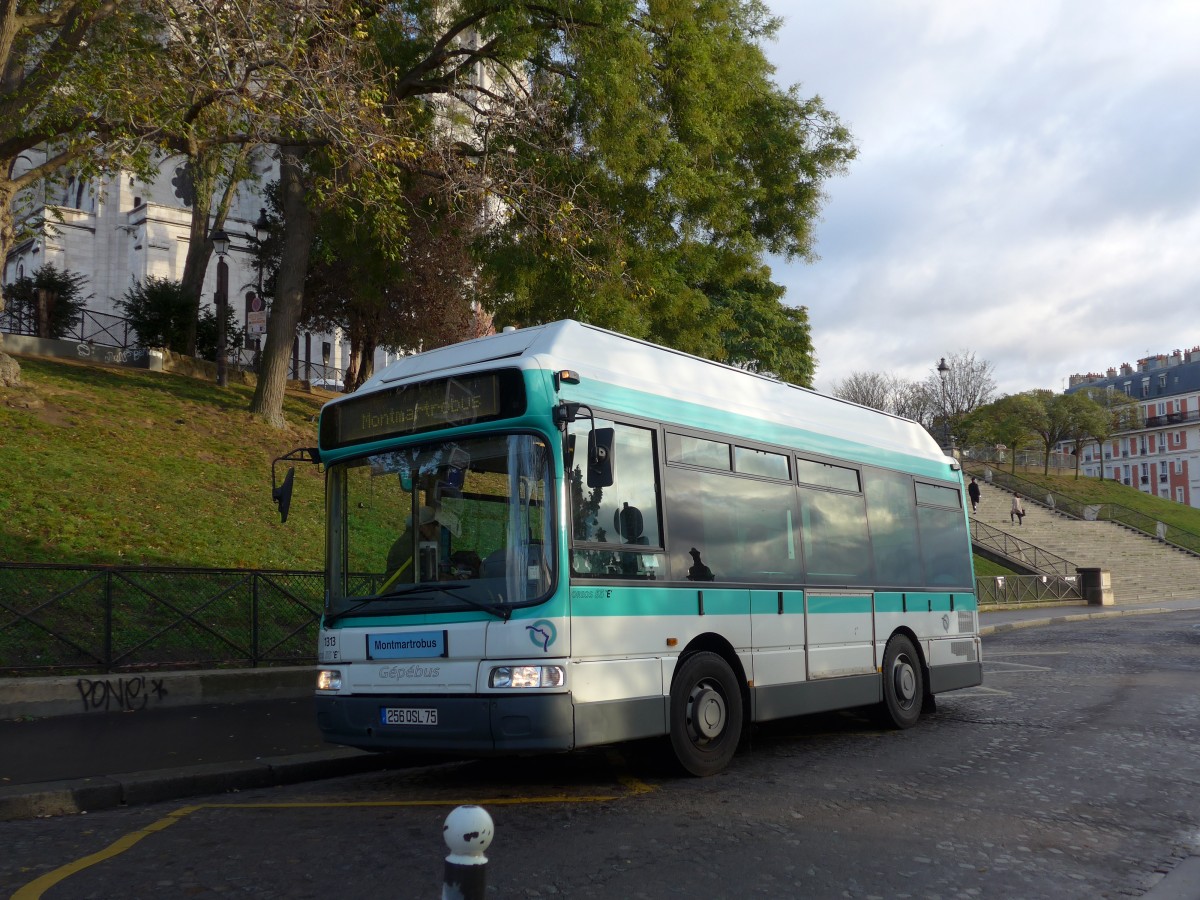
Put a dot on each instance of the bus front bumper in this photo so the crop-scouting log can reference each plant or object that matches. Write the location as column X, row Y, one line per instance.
column 478, row 725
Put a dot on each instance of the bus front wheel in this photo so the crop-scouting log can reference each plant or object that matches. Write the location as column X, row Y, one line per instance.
column 903, row 684
column 706, row 713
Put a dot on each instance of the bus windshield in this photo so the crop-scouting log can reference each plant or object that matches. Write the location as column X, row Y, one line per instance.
column 442, row 525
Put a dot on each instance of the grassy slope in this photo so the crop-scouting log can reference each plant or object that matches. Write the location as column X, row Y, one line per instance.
column 127, row 466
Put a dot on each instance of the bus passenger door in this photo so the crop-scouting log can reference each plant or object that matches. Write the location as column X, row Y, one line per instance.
column 840, row 633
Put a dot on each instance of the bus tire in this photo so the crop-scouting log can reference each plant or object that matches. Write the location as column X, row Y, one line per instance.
column 706, row 713
column 903, row 684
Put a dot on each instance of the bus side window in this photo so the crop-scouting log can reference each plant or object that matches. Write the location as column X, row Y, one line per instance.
column 728, row 528
column 622, row 514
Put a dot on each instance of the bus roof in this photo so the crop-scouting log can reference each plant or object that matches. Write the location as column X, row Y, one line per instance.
column 615, row 359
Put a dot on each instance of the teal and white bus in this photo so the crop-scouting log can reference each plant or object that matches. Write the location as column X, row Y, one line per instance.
column 559, row 537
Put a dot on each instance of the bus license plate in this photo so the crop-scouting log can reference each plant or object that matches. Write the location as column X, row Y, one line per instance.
column 399, row 715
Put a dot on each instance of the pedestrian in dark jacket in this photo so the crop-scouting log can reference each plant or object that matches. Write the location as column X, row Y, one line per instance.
column 973, row 491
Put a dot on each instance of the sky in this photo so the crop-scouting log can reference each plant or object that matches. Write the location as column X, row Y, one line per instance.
column 1027, row 187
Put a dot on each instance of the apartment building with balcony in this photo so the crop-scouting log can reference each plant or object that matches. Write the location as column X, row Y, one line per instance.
column 1162, row 456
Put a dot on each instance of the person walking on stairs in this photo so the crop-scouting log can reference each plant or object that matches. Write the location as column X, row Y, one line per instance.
column 1017, row 513
column 973, row 491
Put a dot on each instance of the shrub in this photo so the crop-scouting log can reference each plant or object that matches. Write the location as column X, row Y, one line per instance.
column 64, row 294
column 159, row 312
column 206, row 333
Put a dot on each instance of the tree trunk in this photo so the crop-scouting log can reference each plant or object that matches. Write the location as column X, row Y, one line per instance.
column 299, row 225
column 350, row 381
column 10, row 371
column 199, row 251
column 366, row 364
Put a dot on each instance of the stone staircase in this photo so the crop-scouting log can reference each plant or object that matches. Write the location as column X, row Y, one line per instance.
column 1143, row 569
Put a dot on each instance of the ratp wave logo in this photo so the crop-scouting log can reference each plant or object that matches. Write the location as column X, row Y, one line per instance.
column 542, row 633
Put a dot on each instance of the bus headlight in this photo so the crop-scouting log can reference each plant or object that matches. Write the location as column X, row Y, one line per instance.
column 527, row 677
column 329, row 680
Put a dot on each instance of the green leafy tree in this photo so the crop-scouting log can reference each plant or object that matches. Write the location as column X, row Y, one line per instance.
column 1012, row 423
column 417, row 297
column 635, row 163
column 1053, row 424
column 1084, row 418
column 52, row 298
column 668, row 163
column 71, row 71
column 1120, row 413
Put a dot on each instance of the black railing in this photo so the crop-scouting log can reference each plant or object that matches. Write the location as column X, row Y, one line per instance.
column 1014, row 590
column 72, row 619
column 106, row 330
column 91, row 327
column 1013, row 548
column 59, row 619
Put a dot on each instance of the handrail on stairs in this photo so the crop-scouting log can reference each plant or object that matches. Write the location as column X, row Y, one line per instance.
column 1011, row 547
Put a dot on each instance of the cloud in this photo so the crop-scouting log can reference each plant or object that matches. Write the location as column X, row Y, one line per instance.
column 1027, row 186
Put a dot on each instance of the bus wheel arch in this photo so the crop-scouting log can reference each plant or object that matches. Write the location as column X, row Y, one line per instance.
column 905, row 681
column 707, row 705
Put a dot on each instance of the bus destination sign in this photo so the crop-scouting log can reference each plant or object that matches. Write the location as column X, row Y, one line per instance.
column 426, row 406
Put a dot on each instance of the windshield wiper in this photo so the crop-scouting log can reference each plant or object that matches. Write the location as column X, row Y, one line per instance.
column 501, row 612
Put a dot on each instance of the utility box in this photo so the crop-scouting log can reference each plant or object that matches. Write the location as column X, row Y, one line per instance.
column 1096, row 585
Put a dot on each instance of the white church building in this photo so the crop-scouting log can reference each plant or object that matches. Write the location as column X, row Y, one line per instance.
column 117, row 231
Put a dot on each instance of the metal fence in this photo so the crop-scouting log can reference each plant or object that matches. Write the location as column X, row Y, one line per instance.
column 57, row 619
column 97, row 329
column 1014, row 590
column 92, row 327
column 74, row 619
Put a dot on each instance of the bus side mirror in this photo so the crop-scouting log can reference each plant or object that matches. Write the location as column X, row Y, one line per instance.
column 601, row 457
column 282, row 495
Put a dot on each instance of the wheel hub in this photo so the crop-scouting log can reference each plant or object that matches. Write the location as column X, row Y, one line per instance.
column 708, row 712
column 905, row 681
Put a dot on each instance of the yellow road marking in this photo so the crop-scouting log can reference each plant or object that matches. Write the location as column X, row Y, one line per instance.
column 37, row 887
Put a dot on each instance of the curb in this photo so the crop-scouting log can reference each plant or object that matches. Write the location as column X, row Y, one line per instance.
column 40, row 697
column 1181, row 883
column 59, row 798
column 1078, row 617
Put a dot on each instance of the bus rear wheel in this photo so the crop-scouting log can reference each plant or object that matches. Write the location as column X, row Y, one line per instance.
column 903, row 684
column 706, row 713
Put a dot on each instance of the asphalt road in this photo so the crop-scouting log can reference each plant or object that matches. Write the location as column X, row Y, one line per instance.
column 1072, row 773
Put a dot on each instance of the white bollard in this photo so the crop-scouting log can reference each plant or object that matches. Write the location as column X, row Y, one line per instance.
column 468, row 832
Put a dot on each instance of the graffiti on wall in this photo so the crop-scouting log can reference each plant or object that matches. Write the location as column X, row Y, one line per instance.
column 121, row 693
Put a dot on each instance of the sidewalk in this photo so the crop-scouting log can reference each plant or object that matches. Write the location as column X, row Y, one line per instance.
column 191, row 734
column 159, row 737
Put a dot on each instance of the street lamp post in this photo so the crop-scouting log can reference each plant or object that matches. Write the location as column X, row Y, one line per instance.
column 263, row 224
column 943, row 370
column 220, row 242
